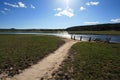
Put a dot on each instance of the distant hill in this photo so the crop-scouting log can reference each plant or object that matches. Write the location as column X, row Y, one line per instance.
column 98, row 27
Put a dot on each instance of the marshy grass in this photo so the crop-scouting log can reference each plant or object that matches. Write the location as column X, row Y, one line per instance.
column 93, row 61
column 18, row 52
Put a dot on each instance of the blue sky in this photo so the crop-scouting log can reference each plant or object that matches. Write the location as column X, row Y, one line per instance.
column 54, row 14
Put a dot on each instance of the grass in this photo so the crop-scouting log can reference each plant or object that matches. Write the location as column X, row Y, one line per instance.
column 96, row 32
column 18, row 52
column 93, row 61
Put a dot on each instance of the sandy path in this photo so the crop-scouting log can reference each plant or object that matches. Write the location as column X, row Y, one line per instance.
column 45, row 67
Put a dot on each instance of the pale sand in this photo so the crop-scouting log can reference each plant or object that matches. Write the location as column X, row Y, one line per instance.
column 45, row 67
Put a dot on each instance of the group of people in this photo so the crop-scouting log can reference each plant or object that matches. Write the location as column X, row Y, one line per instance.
column 90, row 38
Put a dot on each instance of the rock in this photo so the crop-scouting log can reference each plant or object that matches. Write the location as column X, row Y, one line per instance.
column 60, row 73
column 11, row 68
column 42, row 78
column 66, row 76
column 69, row 57
column 60, row 65
column 20, row 71
column 53, row 73
column 11, row 74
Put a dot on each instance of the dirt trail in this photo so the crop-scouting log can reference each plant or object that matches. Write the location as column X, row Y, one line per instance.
column 45, row 67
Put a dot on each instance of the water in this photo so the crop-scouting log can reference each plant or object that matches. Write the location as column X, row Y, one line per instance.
column 113, row 38
column 64, row 34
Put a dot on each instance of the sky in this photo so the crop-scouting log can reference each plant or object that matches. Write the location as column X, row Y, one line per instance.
column 57, row 14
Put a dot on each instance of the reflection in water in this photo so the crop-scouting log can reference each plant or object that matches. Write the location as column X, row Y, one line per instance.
column 63, row 34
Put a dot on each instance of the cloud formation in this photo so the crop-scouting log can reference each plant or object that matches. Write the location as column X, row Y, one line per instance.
column 58, row 9
column 32, row 6
column 22, row 5
column 89, row 4
column 92, row 3
column 115, row 20
column 12, row 5
column 66, row 12
column 18, row 5
column 6, row 9
column 82, row 8
column 91, row 23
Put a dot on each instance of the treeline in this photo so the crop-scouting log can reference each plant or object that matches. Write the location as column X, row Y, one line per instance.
column 30, row 30
column 99, row 27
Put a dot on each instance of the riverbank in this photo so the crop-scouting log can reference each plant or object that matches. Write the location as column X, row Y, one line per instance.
column 91, row 61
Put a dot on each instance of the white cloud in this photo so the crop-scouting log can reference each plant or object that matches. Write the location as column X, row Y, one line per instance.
column 92, row 3
column 115, row 20
column 82, row 8
column 58, row 9
column 91, row 23
column 22, row 5
column 19, row 5
column 32, row 6
column 66, row 12
column 58, row 14
column 12, row 5
column 6, row 9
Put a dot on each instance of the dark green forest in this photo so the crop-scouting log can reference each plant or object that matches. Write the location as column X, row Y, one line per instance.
column 98, row 27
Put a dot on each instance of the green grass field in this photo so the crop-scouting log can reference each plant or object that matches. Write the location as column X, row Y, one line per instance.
column 96, row 32
column 93, row 61
column 18, row 52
